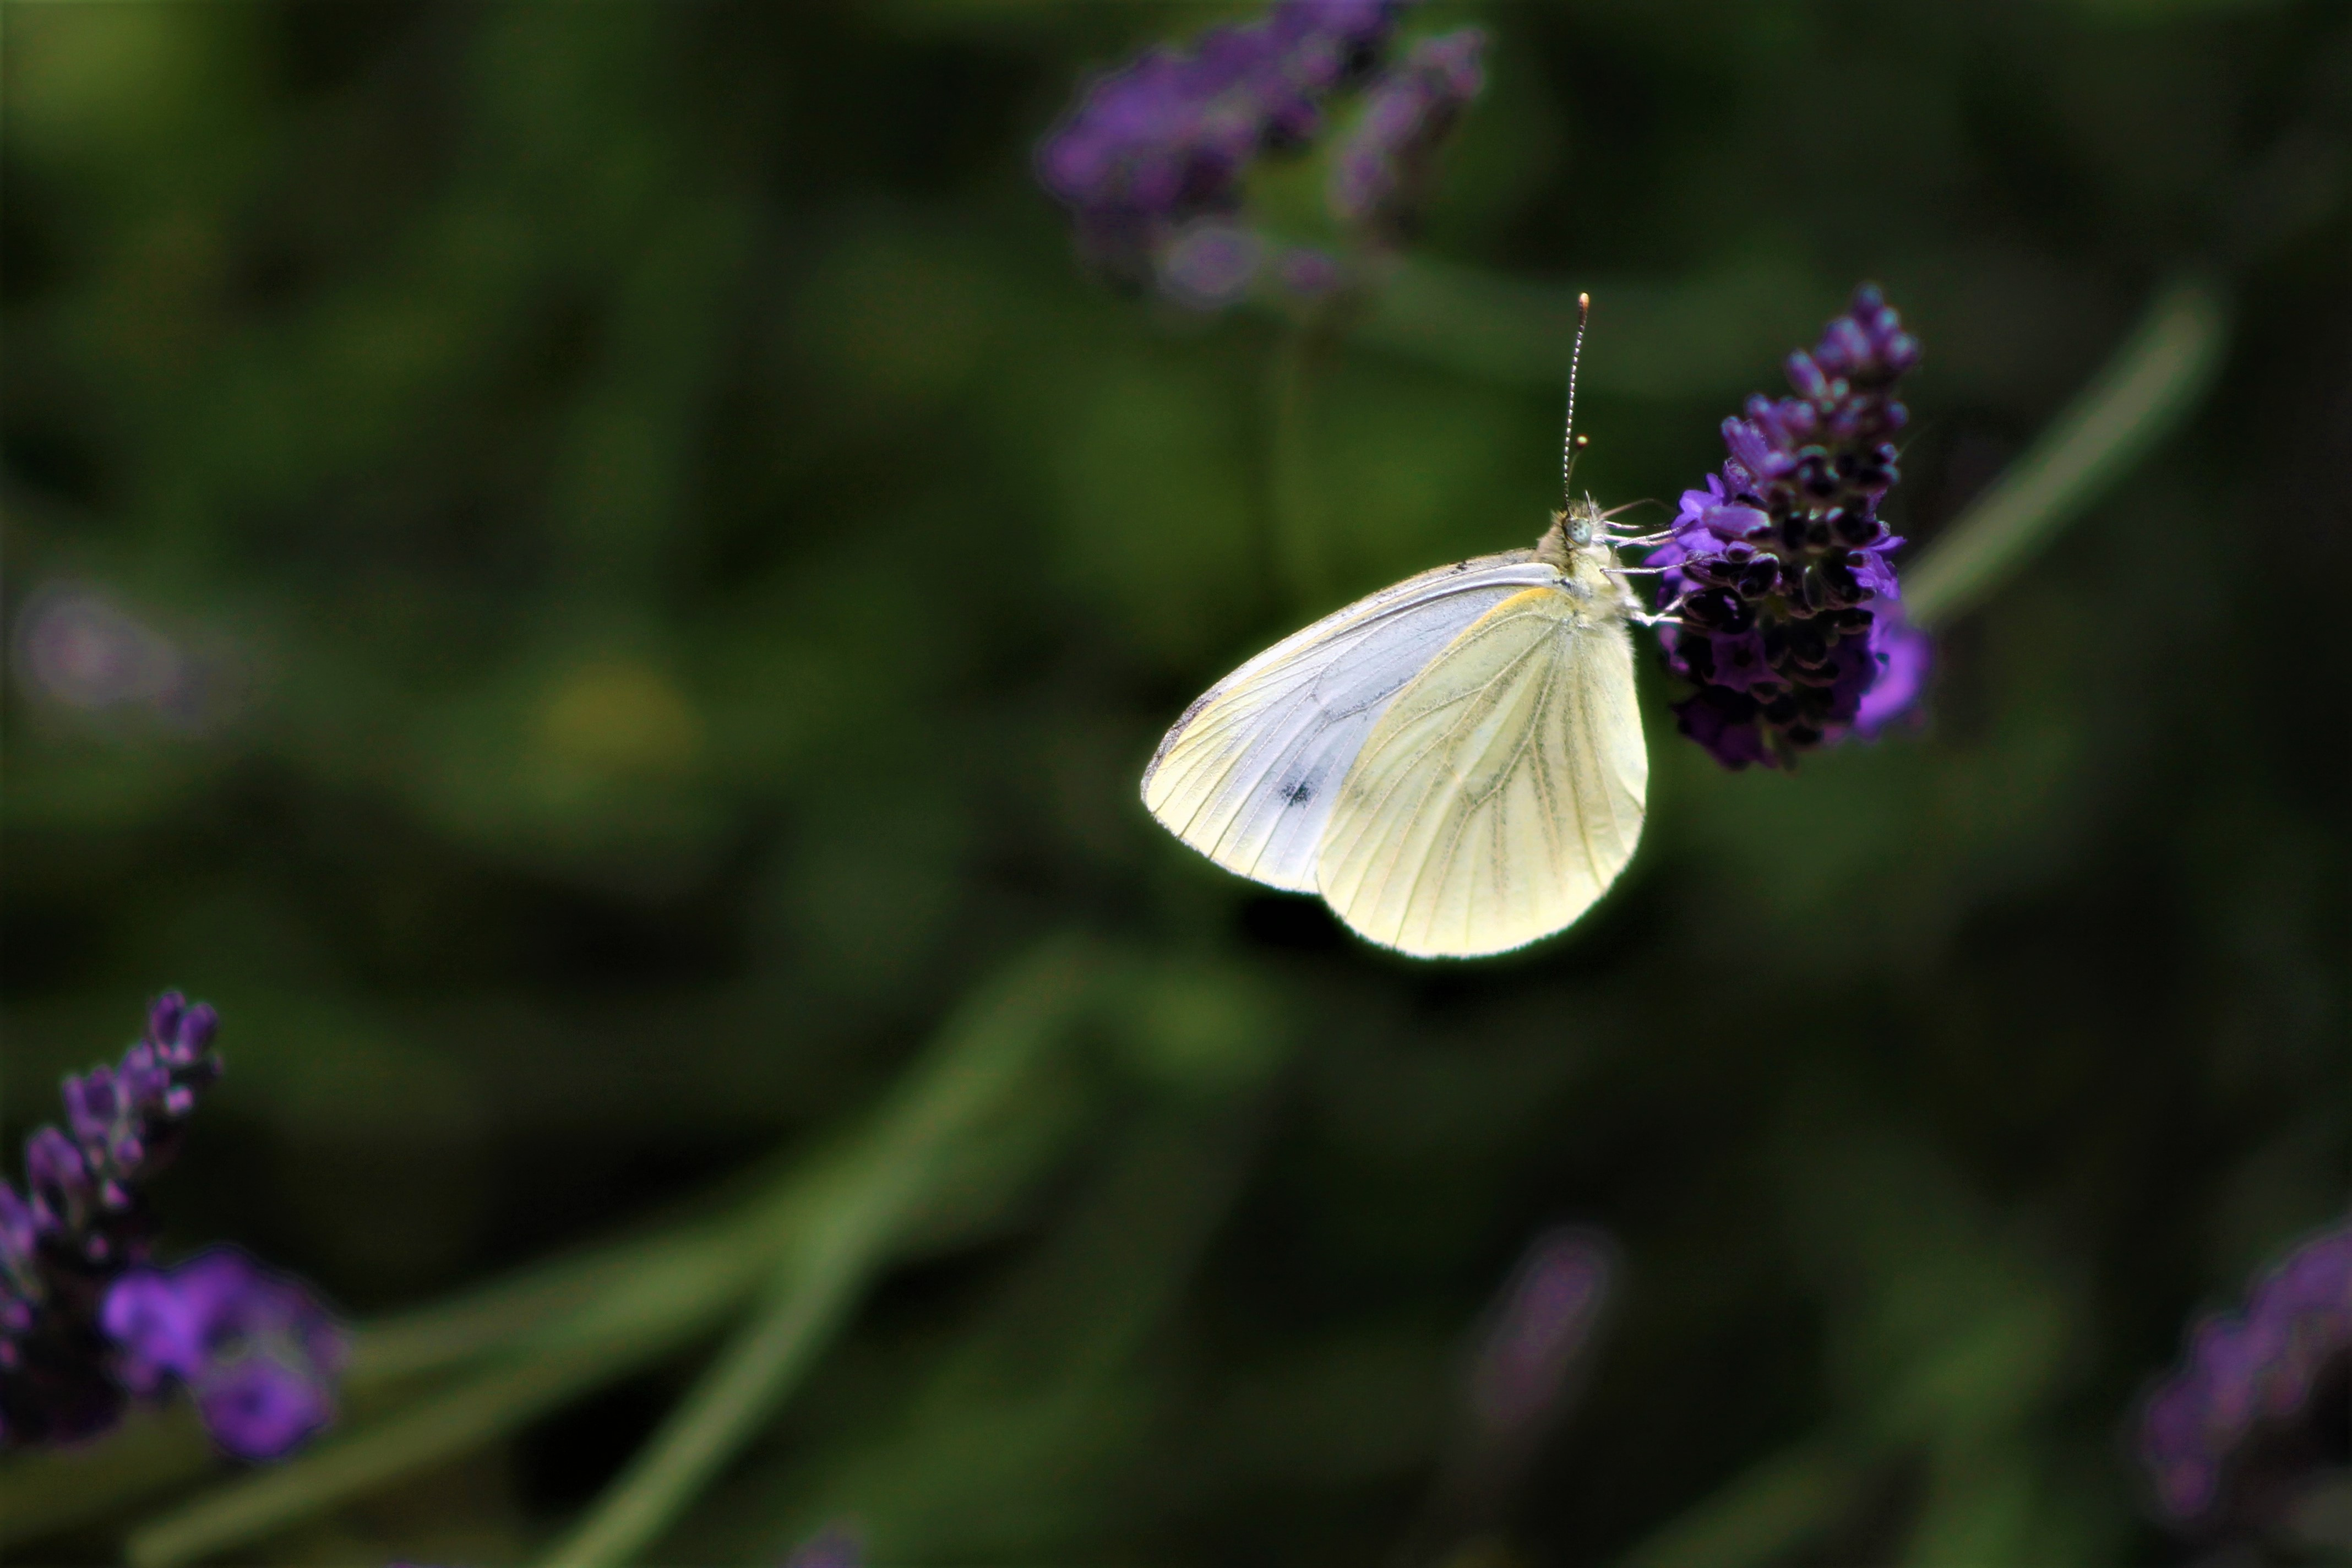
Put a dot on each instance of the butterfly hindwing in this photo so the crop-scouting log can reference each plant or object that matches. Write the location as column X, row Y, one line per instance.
column 1248, row 776
column 1501, row 791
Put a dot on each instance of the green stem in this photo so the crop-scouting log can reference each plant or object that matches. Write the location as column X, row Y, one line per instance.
column 45, row 1490
column 2143, row 392
column 659, row 1291
column 584, row 1298
column 971, row 1076
column 679, row 1292
column 471, row 1413
column 930, row 1169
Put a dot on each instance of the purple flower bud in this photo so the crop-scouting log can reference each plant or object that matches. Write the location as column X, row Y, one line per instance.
column 163, row 1016
column 1211, row 265
column 260, row 1407
column 20, row 1233
column 1905, row 655
column 258, row 1352
column 157, row 1331
column 1806, row 376
column 58, row 1178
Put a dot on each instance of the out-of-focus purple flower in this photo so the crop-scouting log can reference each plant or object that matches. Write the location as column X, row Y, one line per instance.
column 1165, row 139
column 1382, row 173
column 1779, row 570
column 1530, row 1352
column 1211, row 264
column 258, row 1352
column 831, row 1547
column 82, row 1324
column 79, row 649
column 1905, row 655
column 1540, row 1329
column 1309, row 273
column 1156, row 147
column 2258, row 1367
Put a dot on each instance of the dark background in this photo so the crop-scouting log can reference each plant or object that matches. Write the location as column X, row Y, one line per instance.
column 676, row 571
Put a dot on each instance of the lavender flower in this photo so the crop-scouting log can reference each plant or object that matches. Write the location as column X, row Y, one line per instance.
column 72, row 1284
column 1165, row 140
column 1152, row 161
column 1380, row 174
column 77, row 648
column 1531, row 1351
column 1541, row 1331
column 257, row 1350
column 831, row 1547
column 82, row 1222
column 1781, row 570
column 2244, row 1371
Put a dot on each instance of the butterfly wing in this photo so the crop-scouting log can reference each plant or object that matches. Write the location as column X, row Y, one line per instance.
column 1247, row 776
column 1501, row 791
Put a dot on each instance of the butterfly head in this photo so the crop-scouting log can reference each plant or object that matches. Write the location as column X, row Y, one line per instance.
column 1581, row 530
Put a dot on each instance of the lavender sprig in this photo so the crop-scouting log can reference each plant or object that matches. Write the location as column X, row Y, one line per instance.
column 1781, row 570
column 2260, row 1365
column 1165, row 140
column 1382, row 174
column 74, row 1245
column 1152, row 161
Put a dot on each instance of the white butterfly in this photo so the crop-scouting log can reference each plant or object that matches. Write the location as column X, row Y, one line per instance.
column 1454, row 763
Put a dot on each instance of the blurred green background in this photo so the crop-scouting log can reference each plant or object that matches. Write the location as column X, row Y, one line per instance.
column 653, row 574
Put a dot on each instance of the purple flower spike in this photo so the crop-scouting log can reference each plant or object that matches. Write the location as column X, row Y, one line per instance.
column 1382, row 174
column 1779, row 570
column 1540, row 1332
column 2258, row 1368
column 258, row 1352
column 1156, row 147
column 82, row 1325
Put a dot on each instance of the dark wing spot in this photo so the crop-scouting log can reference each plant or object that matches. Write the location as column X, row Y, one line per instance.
column 1299, row 793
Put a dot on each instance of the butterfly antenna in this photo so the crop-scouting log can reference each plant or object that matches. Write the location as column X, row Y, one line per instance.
column 1572, row 443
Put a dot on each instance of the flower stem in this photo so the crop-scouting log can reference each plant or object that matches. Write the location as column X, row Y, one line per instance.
column 2139, row 397
column 927, row 1168
column 476, row 1410
column 971, row 1075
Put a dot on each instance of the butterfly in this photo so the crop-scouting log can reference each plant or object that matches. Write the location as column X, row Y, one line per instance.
column 1454, row 763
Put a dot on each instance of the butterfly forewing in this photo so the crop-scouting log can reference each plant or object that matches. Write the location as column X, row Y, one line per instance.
column 1500, row 792
column 1247, row 776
